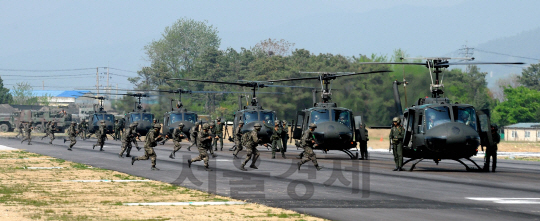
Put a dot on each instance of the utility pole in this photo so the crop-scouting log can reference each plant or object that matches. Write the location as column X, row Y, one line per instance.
column 116, row 91
column 43, row 85
column 108, row 87
column 97, row 81
column 467, row 52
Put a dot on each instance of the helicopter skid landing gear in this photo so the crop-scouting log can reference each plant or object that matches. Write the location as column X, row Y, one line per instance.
column 467, row 167
column 414, row 164
column 351, row 155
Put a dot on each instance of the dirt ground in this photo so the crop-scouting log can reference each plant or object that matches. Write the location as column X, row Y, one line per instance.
column 49, row 194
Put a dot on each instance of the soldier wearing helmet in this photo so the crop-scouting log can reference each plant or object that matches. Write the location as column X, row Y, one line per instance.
column 252, row 142
column 152, row 137
column 137, row 135
column 219, row 133
column 83, row 127
column 237, row 138
column 127, row 138
column 72, row 133
column 397, row 133
column 276, row 139
column 193, row 135
column 101, row 134
column 204, row 143
column 308, row 142
column 284, row 137
column 28, row 132
column 177, row 137
column 212, row 131
column 491, row 151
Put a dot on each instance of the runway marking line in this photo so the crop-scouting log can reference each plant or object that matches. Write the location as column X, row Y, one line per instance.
column 185, row 203
column 104, row 181
column 507, row 200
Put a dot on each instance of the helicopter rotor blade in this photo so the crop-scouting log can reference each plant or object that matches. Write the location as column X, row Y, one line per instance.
column 209, row 81
column 475, row 63
column 330, row 75
column 231, row 92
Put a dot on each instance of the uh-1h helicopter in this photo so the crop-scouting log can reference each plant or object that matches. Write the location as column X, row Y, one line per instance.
column 144, row 119
column 337, row 128
column 98, row 115
column 437, row 129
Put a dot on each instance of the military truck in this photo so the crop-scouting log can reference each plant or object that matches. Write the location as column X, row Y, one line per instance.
column 10, row 121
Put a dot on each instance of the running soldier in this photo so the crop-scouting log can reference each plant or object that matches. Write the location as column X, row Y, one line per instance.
column 127, row 136
column 152, row 137
column 52, row 129
column 308, row 142
column 83, row 127
column 251, row 141
column 101, row 135
column 238, row 138
column 72, row 133
column 46, row 128
column 204, row 142
column 193, row 134
column 28, row 132
column 21, row 130
column 177, row 137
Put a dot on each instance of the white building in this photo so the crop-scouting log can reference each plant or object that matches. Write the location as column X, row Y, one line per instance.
column 522, row 132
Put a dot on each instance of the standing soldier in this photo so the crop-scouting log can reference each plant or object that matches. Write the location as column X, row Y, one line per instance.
column 276, row 140
column 219, row 134
column 284, row 137
column 28, row 131
column 238, row 138
column 72, row 133
column 363, row 144
column 212, row 132
column 101, row 135
column 251, row 143
column 177, row 137
column 46, row 128
column 204, row 142
column 116, row 130
column 151, row 141
column 308, row 142
column 21, row 130
column 52, row 129
column 127, row 136
column 193, row 135
column 396, row 137
column 491, row 151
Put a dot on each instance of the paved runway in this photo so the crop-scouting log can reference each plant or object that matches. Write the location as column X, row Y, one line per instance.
column 343, row 190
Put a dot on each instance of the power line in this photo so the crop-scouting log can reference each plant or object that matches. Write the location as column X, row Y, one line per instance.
column 515, row 56
column 35, row 70
column 123, row 70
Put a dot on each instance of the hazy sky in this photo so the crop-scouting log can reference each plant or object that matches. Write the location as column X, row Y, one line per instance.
column 58, row 35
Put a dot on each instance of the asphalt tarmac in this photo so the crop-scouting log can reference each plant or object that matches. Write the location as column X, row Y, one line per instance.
column 343, row 190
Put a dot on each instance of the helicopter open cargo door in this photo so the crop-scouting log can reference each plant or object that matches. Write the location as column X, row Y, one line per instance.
column 485, row 128
column 297, row 133
column 359, row 135
column 408, row 124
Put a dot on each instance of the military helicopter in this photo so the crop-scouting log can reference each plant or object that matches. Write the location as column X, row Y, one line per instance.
column 98, row 115
column 337, row 128
column 436, row 128
column 253, row 113
column 139, row 115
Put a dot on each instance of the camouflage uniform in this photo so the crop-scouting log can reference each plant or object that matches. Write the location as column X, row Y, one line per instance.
column 307, row 144
column 151, row 141
column 363, row 144
column 219, row 134
column 397, row 133
column 251, row 146
column 276, row 140
column 28, row 132
column 491, row 151
column 83, row 128
column 72, row 133
column 193, row 134
column 52, row 129
column 21, row 130
column 214, row 141
column 237, row 139
column 126, row 141
column 47, row 130
column 177, row 137
column 204, row 142
column 284, row 137
column 117, row 130
column 136, row 135
column 101, row 134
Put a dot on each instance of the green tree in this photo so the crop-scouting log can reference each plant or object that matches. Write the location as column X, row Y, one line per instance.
column 23, row 94
column 530, row 77
column 5, row 96
column 521, row 104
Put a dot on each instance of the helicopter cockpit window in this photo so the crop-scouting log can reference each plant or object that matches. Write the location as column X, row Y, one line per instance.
column 190, row 117
column 319, row 116
column 268, row 117
column 147, row 117
column 342, row 116
column 135, row 117
column 175, row 118
column 467, row 116
column 250, row 117
column 436, row 116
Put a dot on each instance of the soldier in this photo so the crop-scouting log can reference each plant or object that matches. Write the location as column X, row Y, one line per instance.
column 83, row 126
column 137, row 136
column 116, row 130
column 72, row 133
column 491, row 151
column 238, row 138
column 128, row 135
column 28, row 131
column 101, row 135
column 177, row 137
column 284, row 137
column 151, row 141
column 276, row 140
column 193, row 135
column 204, row 142
column 251, row 144
column 219, row 134
column 308, row 142
column 122, row 122
column 396, row 136
column 363, row 144
column 52, row 129
column 46, row 128
column 21, row 130
column 212, row 132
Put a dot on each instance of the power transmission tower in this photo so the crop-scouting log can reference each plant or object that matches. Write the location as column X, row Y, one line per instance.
column 467, row 52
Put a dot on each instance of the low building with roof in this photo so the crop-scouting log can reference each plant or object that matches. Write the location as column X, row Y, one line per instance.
column 522, row 132
column 60, row 98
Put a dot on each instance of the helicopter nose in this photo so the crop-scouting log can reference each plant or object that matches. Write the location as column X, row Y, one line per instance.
column 454, row 137
column 332, row 132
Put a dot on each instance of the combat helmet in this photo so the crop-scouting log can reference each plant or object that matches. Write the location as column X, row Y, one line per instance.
column 157, row 125
column 396, row 119
column 312, row 125
column 205, row 126
column 181, row 125
column 257, row 126
column 240, row 122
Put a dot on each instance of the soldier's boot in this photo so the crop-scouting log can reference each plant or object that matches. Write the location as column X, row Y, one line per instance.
column 189, row 162
column 64, row 140
column 22, row 141
column 243, row 168
column 93, row 146
column 101, row 148
column 50, row 142
column 399, row 169
column 300, row 156
column 486, row 167
column 154, row 168
column 299, row 165
column 127, row 155
column 172, row 155
column 214, row 155
column 133, row 159
column 395, row 169
column 120, row 155
column 69, row 149
column 235, row 157
column 29, row 143
column 207, row 169
column 283, row 155
column 138, row 148
column 318, row 167
column 273, row 155
column 253, row 166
